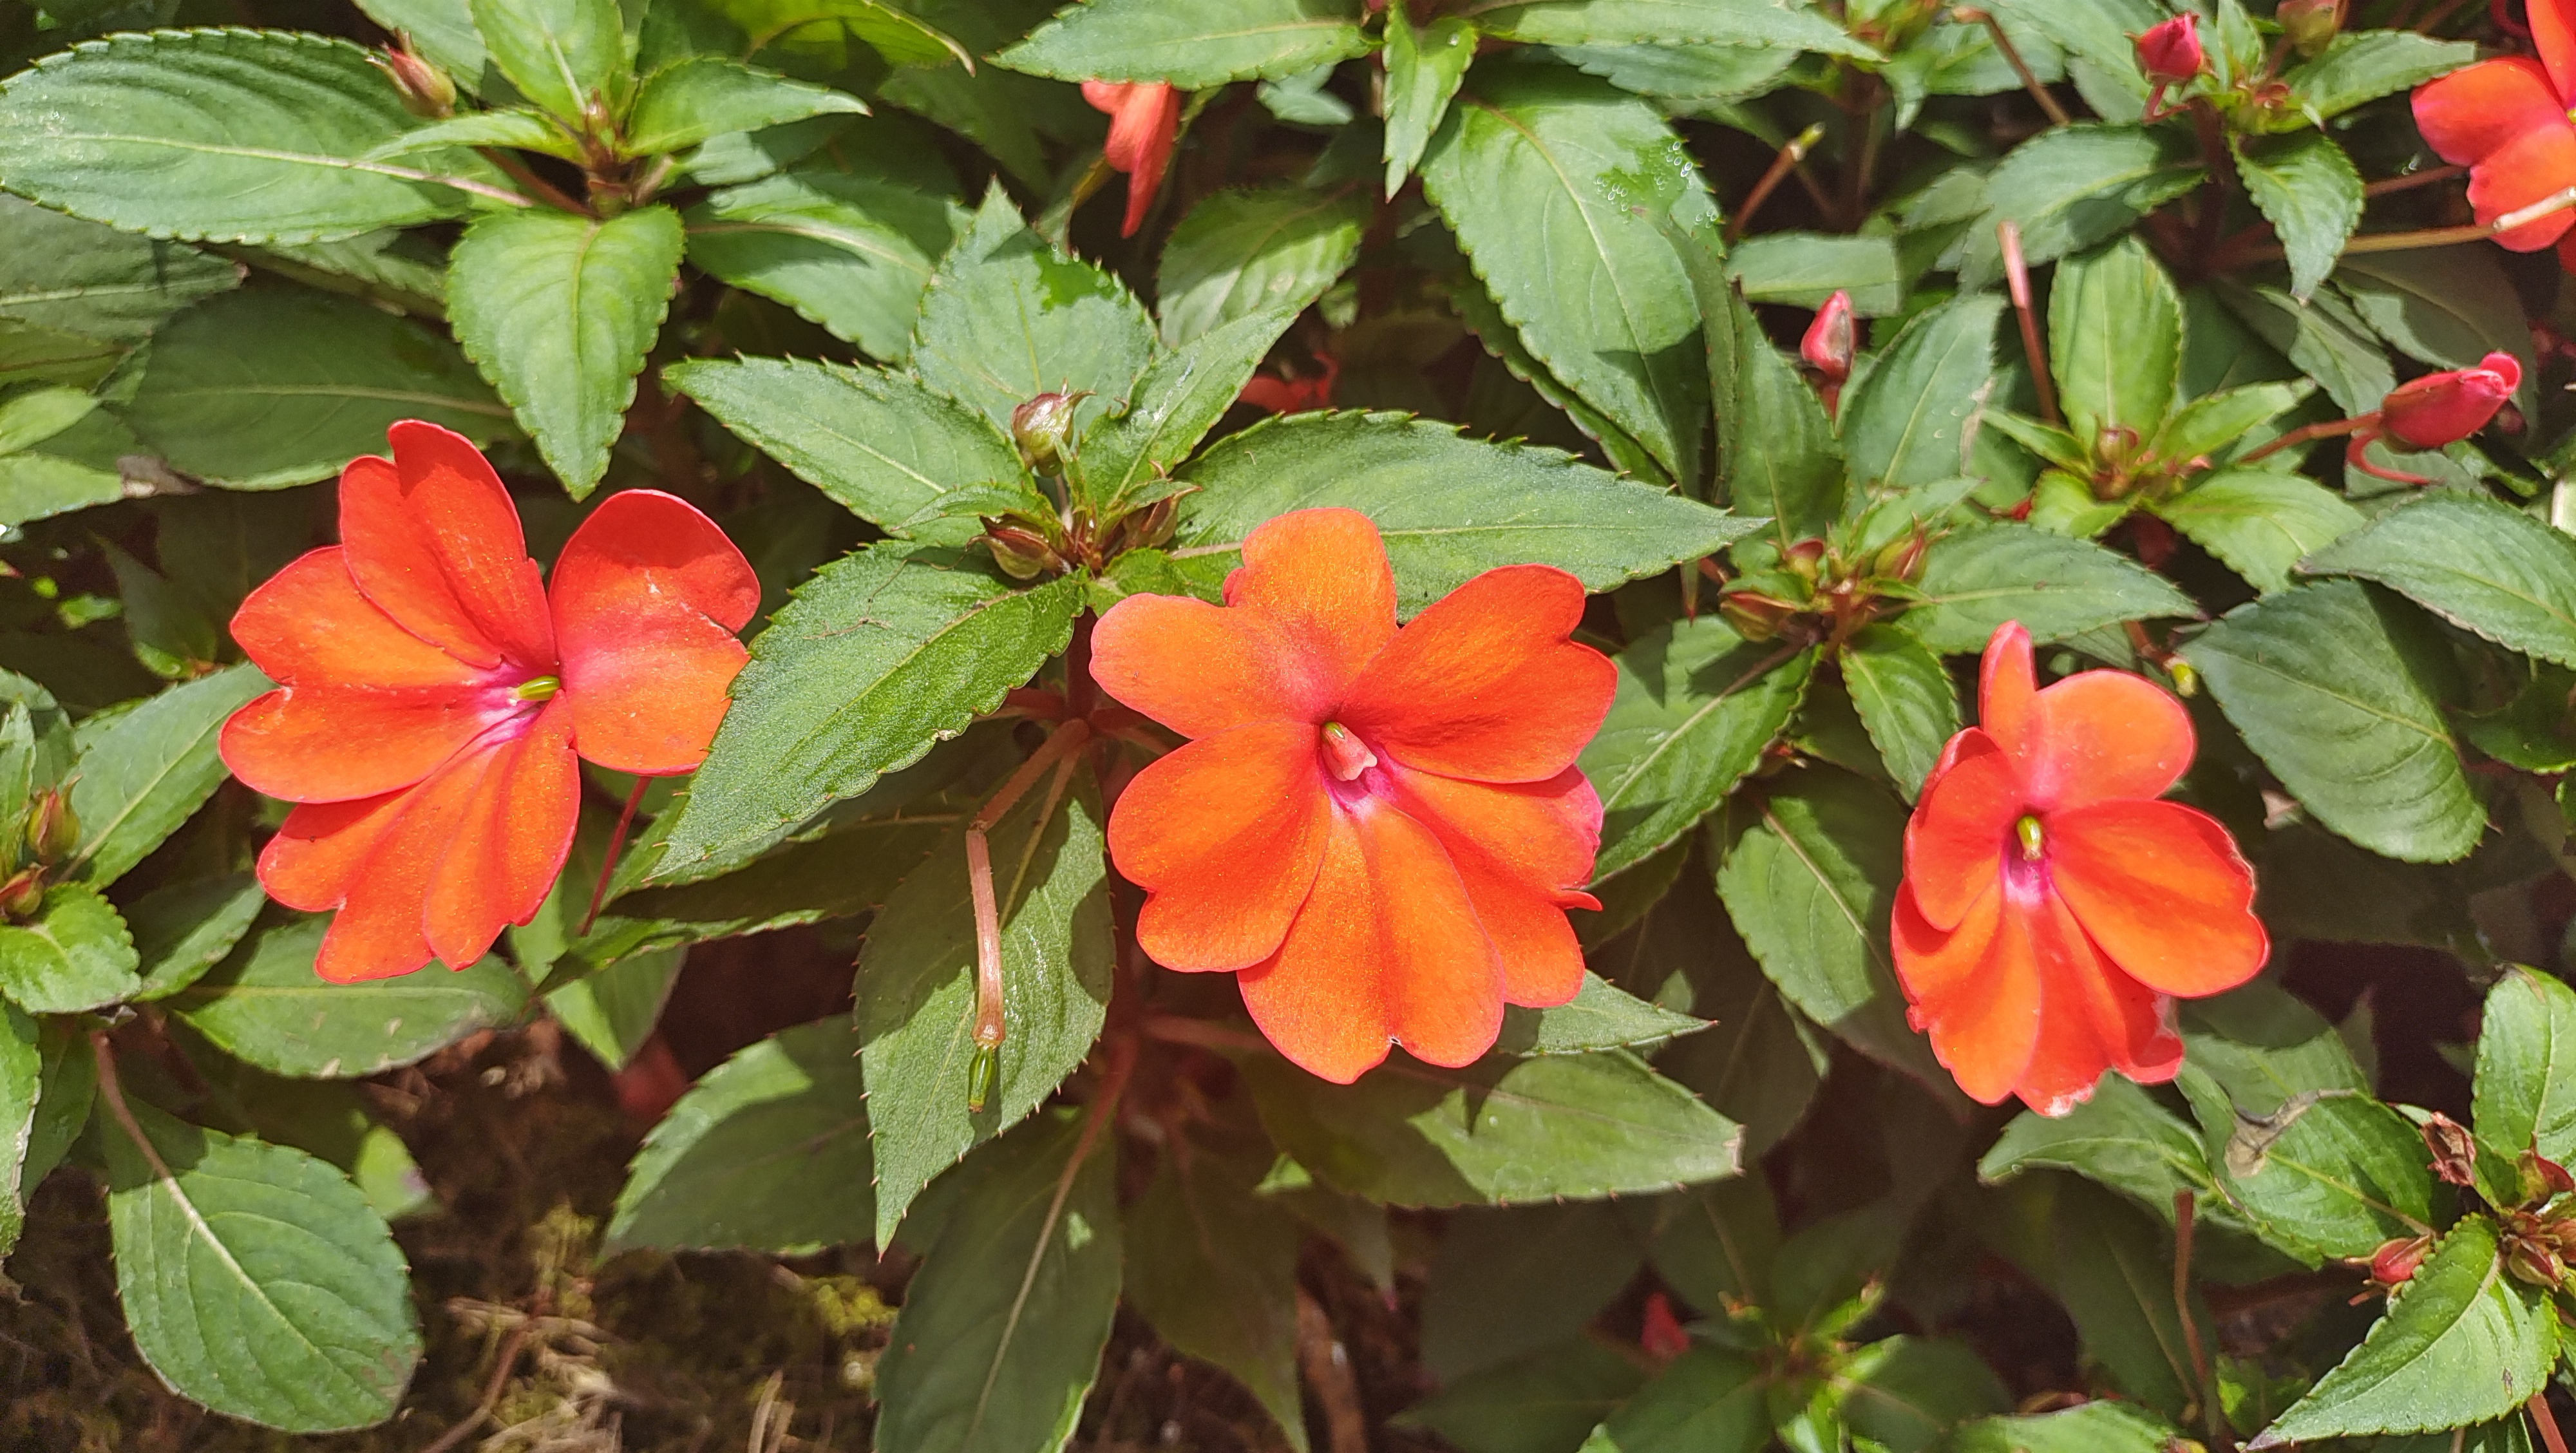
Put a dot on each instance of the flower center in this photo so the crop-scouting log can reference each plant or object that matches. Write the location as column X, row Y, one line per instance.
column 2034, row 841
column 1345, row 755
column 538, row 688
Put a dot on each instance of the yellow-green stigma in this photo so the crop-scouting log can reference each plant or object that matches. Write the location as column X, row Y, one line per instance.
column 539, row 688
column 2033, row 840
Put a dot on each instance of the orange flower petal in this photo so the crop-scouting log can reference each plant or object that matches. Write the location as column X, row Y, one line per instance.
column 2092, row 1018
column 2102, row 735
column 1311, row 604
column 647, row 596
column 381, row 930
column 1144, row 126
column 1225, row 835
column 433, row 539
column 314, row 860
column 1976, row 991
column 2525, row 170
column 308, row 623
column 2162, row 891
column 2476, row 111
column 510, row 843
column 1523, row 850
column 1387, row 948
column 2005, row 685
column 1962, row 827
column 2553, row 30
column 324, row 743
column 1484, row 684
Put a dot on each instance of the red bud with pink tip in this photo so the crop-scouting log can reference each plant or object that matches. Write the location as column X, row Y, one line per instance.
column 2170, row 53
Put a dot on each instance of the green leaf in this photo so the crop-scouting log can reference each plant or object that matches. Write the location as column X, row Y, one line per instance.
column 2113, row 1269
column 1002, row 1328
column 1757, row 23
column 2259, row 523
column 1598, row 1017
column 442, row 31
column 853, row 254
column 1804, row 269
column 916, row 990
column 2308, row 190
column 2462, row 1342
column 2217, row 424
column 2364, row 65
column 1010, row 317
column 1686, row 77
column 75, row 954
column 1977, row 579
column 611, row 1011
column 1706, row 1401
column 1542, row 1403
column 225, row 136
column 878, row 442
column 2330, row 1175
column 2525, row 1095
column 2335, row 690
column 182, row 929
column 2446, row 307
column 519, row 129
column 558, row 311
column 38, row 486
column 148, row 770
column 768, row 1153
column 1810, row 881
column 2480, row 565
column 1905, row 697
column 1424, row 65
column 2120, row 1138
column 1507, row 1281
column 22, row 1087
column 881, row 653
column 256, row 1279
column 2266, row 1048
column 2324, row 339
column 1449, row 507
column 1249, row 250
column 839, row 874
column 1178, row 398
column 2115, row 341
column 266, row 1006
column 1542, row 174
column 1907, row 419
column 1696, row 705
column 1760, row 1063
column 1213, row 1268
column 81, row 277
column 2095, row 1427
column 1499, row 1132
column 1484, row 317
column 2074, row 186
column 1909, row 1391
column 561, row 54
column 1777, row 451
column 329, row 1121
column 690, row 100
column 270, row 388
column 1193, row 44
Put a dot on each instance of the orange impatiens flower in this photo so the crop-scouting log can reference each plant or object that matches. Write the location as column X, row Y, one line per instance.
column 1144, row 126
column 1379, row 828
column 2507, row 121
column 434, row 695
column 2052, row 907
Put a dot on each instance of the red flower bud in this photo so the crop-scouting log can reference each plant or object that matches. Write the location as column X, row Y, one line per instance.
column 2443, row 408
column 1663, row 1337
column 2394, row 1263
column 52, row 830
column 1828, row 344
column 24, row 893
column 2170, row 53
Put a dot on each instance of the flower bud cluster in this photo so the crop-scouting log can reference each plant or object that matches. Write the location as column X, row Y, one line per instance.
column 1842, row 588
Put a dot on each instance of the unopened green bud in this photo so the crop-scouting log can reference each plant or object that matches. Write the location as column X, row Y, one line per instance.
column 1755, row 616
column 52, row 830
column 426, row 90
column 1043, row 428
column 2310, row 25
column 1023, row 554
column 23, row 893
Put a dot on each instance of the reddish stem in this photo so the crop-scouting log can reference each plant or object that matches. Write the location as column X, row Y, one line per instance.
column 1789, row 156
column 2017, row 279
column 2545, row 1421
column 616, row 845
